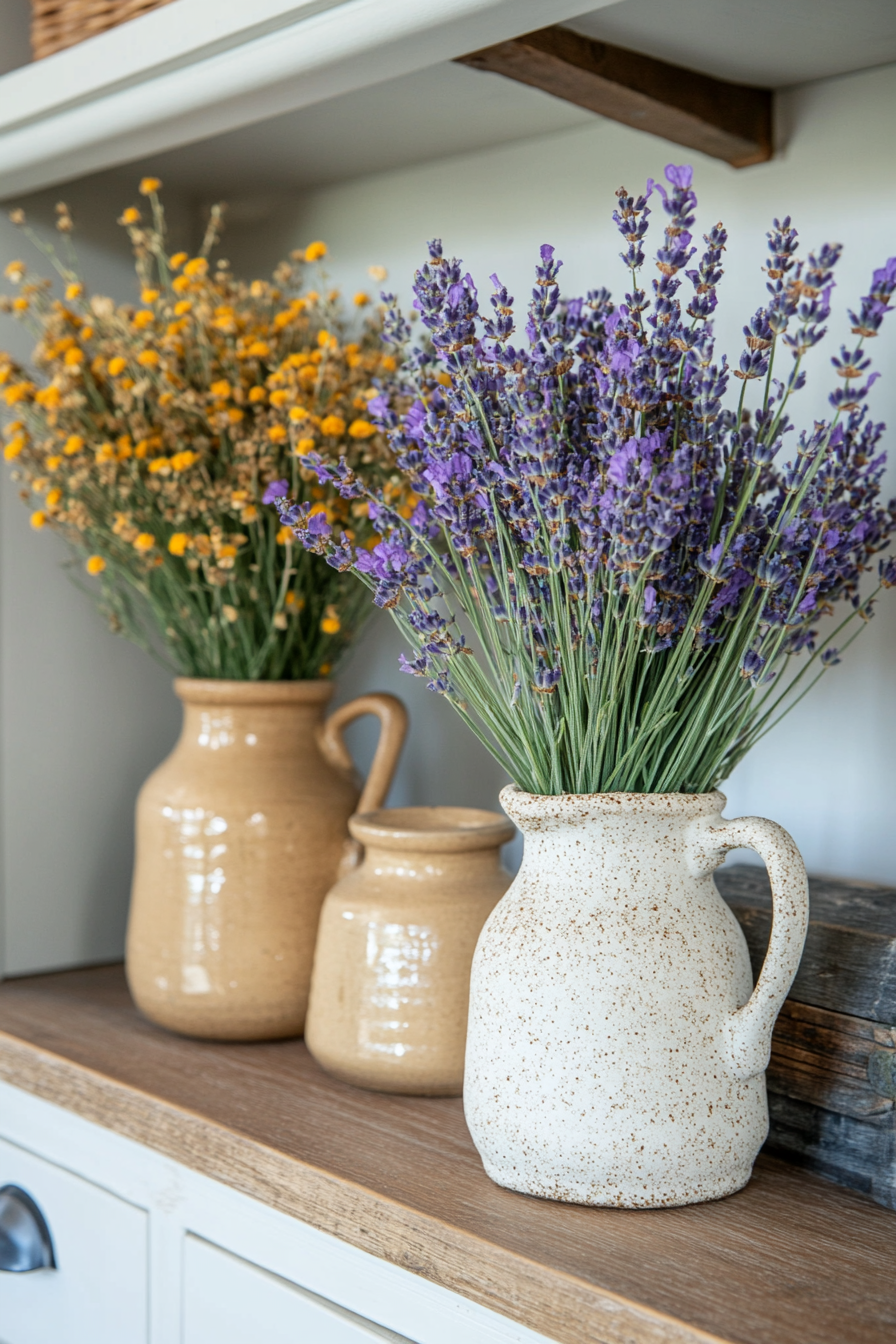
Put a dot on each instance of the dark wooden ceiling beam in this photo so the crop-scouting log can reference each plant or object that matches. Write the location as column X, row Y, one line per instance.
column 727, row 121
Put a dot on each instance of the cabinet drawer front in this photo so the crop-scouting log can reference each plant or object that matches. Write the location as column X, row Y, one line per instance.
column 230, row 1301
column 98, row 1292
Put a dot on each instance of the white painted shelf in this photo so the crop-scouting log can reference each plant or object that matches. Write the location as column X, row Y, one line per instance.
column 198, row 68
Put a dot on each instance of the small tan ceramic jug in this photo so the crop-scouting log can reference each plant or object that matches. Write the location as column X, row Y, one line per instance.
column 391, row 980
column 240, row 833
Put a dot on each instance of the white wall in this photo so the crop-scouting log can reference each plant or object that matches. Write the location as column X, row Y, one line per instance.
column 828, row 773
column 85, row 717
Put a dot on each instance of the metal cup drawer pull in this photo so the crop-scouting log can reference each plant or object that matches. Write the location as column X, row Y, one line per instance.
column 25, row 1241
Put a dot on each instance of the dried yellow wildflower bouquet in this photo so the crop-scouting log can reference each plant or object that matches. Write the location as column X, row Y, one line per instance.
column 151, row 437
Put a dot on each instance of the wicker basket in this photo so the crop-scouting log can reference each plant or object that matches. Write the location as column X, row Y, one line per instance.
column 56, row 24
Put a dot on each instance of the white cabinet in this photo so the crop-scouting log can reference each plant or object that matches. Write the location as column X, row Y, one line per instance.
column 229, row 1301
column 98, row 1292
column 150, row 1252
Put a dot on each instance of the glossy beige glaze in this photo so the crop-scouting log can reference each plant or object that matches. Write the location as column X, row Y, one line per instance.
column 391, row 979
column 240, row 833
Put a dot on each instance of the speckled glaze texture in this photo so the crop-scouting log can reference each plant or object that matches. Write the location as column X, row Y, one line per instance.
column 616, row 1048
column 240, row 833
column 391, row 980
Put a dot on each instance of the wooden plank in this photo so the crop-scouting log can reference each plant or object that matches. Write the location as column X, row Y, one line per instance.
column 789, row 1258
column 857, row 1153
column 829, row 1059
column 727, row 121
column 832, row 1074
column 849, row 962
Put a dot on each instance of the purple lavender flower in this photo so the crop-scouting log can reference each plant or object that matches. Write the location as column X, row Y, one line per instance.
column 318, row 525
column 751, row 664
column 875, row 304
column 888, row 573
column 276, row 490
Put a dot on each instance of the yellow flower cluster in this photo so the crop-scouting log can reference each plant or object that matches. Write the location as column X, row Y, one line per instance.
column 147, row 434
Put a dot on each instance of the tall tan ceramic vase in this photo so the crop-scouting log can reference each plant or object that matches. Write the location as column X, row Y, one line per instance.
column 240, row 833
column 391, row 979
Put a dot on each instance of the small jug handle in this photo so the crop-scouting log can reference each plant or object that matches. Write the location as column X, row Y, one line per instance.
column 748, row 1031
column 393, row 719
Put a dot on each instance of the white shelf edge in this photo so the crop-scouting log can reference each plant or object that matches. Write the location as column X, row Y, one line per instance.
column 180, row 34
column 195, row 69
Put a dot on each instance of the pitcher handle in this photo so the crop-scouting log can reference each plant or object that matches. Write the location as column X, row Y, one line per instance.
column 748, row 1031
column 393, row 719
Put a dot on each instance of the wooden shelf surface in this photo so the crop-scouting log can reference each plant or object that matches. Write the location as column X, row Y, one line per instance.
column 789, row 1260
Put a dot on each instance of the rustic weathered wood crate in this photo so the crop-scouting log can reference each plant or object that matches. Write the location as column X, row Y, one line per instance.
column 832, row 1076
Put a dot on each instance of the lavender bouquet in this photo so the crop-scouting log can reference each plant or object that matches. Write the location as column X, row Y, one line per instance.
column 607, row 569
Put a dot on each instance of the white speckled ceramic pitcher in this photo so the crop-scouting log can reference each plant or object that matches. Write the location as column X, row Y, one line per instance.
column 615, row 1051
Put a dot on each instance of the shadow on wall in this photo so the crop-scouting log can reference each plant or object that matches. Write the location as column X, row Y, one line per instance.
column 84, row 716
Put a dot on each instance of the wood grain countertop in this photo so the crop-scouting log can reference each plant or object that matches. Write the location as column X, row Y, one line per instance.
column 789, row 1260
